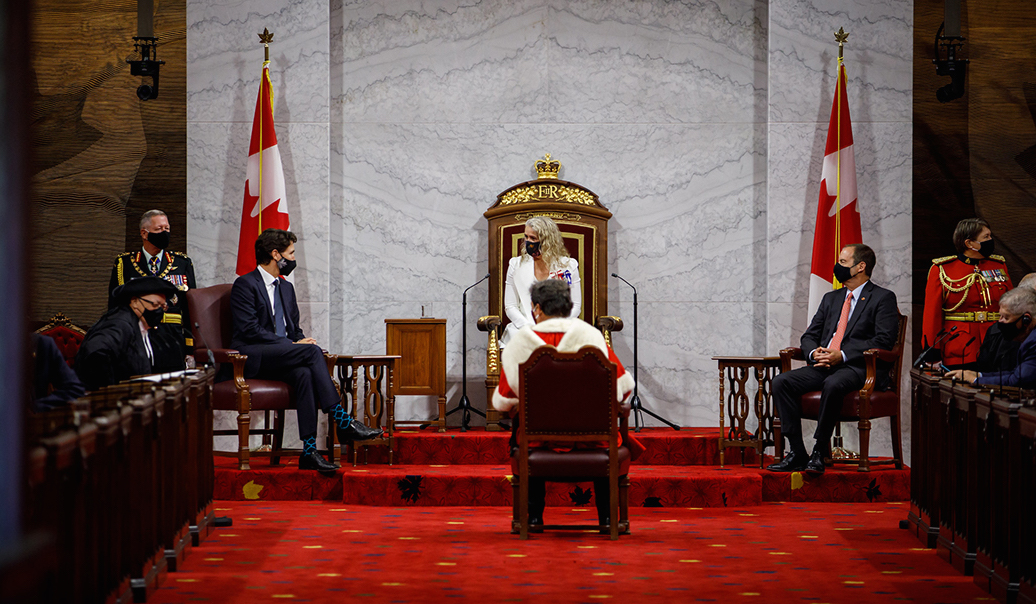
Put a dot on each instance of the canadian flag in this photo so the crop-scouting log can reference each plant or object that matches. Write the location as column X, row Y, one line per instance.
column 264, row 205
column 838, row 214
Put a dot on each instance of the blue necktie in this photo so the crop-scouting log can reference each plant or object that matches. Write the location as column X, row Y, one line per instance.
column 278, row 309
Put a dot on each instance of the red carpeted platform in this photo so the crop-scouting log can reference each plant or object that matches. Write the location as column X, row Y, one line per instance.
column 679, row 469
column 330, row 552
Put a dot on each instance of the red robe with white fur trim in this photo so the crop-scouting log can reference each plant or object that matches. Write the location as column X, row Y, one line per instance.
column 567, row 335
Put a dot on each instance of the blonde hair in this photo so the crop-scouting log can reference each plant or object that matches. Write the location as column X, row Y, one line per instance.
column 552, row 247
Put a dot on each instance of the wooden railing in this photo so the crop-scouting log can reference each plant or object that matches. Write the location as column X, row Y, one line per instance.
column 120, row 483
column 972, row 481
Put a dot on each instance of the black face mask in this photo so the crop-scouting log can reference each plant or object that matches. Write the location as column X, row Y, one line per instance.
column 986, row 248
column 843, row 273
column 286, row 266
column 532, row 248
column 159, row 239
column 1011, row 331
column 152, row 317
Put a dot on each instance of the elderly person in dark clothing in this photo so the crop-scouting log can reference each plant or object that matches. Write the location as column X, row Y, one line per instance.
column 118, row 346
column 54, row 383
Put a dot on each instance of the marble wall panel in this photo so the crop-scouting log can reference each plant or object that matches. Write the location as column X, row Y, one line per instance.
column 655, row 62
column 481, row 61
column 225, row 59
column 803, row 58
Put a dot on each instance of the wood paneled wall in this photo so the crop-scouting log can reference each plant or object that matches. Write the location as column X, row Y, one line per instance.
column 101, row 156
column 976, row 156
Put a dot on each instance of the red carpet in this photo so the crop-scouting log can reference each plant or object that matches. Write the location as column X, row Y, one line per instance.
column 466, row 469
column 329, row 552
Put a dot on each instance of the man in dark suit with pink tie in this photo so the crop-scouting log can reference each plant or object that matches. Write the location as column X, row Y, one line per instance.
column 850, row 320
column 266, row 328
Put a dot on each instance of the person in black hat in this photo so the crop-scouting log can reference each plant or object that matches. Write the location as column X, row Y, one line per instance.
column 119, row 346
column 171, row 340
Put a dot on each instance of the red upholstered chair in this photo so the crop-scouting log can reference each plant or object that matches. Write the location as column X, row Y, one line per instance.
column 859, row 406
column 210, row 308
column 67, row 336
column 570, row 398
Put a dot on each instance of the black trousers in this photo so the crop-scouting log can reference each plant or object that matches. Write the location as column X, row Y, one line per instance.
column 833, row 384
column 538, row 497
column 304, row 369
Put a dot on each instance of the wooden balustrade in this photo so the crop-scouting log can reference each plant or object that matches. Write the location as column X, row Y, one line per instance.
column 367, row 383
column 973, row 477
column 121, row 482
column 745, row 398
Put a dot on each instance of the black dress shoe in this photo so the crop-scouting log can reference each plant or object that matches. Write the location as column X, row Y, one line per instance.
column 815, row 465
column 356, row 430
column 535, row 524
column 792, row 462
column 606, row 526
column 316, row 461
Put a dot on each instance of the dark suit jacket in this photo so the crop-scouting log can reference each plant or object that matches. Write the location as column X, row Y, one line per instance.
column 253, row 317
column 54, row 382
column 1023, row 375
column 873, row 324
column 996, row 353
column 113, row 350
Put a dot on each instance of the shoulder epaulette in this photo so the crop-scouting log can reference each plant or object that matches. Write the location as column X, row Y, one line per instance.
column 998, row 258
column 124, row 254
column 943, row 260
column 180, row 254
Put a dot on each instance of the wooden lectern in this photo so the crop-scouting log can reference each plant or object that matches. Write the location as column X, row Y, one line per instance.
column 422, row 369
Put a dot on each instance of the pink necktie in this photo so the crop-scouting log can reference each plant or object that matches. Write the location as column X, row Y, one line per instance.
column 843, row 321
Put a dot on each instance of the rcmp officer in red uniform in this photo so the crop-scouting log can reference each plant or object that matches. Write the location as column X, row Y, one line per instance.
column 172, row 339
column 964, row 291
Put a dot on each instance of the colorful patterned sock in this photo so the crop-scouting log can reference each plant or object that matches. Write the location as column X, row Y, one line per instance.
column 337, row 413
column 309, row 444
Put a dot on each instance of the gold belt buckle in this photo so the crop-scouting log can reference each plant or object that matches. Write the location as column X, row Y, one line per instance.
column 980, row 315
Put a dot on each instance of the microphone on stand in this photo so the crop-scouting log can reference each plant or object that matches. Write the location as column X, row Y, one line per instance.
column 635, row 404
column 464, row 405
column 938, row 340
column 964, row 354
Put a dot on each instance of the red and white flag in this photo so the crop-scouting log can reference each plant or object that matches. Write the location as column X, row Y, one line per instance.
column 838, row 214
column 265, row 206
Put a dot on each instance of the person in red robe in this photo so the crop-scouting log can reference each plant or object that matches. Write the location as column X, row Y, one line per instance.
column 551, row 307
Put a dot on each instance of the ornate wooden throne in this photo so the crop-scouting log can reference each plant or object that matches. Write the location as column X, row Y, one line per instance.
column 583, row 222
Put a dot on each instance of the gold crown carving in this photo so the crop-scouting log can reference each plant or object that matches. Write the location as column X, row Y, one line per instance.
column 547, row 167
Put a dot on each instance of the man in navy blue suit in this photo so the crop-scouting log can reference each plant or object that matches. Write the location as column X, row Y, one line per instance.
column 266, row 328
column 850, row 320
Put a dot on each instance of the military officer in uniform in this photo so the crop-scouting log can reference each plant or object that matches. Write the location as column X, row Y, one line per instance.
column 964, row 291
column 172, row 340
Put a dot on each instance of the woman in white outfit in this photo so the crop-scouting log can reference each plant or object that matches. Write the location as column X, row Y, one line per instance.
column 543, row 257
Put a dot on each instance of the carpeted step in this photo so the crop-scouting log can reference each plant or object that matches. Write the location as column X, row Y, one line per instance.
column 480, row 484
column 665, row 447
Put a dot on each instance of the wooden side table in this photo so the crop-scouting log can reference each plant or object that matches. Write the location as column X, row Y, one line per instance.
column 421, row 371
column 739, row 403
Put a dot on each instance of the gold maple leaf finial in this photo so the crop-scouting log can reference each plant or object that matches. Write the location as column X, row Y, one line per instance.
column 841, row 36
column 266, row 37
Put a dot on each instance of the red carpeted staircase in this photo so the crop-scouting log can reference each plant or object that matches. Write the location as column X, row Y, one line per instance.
column 679, row 469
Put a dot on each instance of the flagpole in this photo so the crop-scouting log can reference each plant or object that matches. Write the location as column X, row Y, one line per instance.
column 265, row 38
column 840, row 36
column 837, row 450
